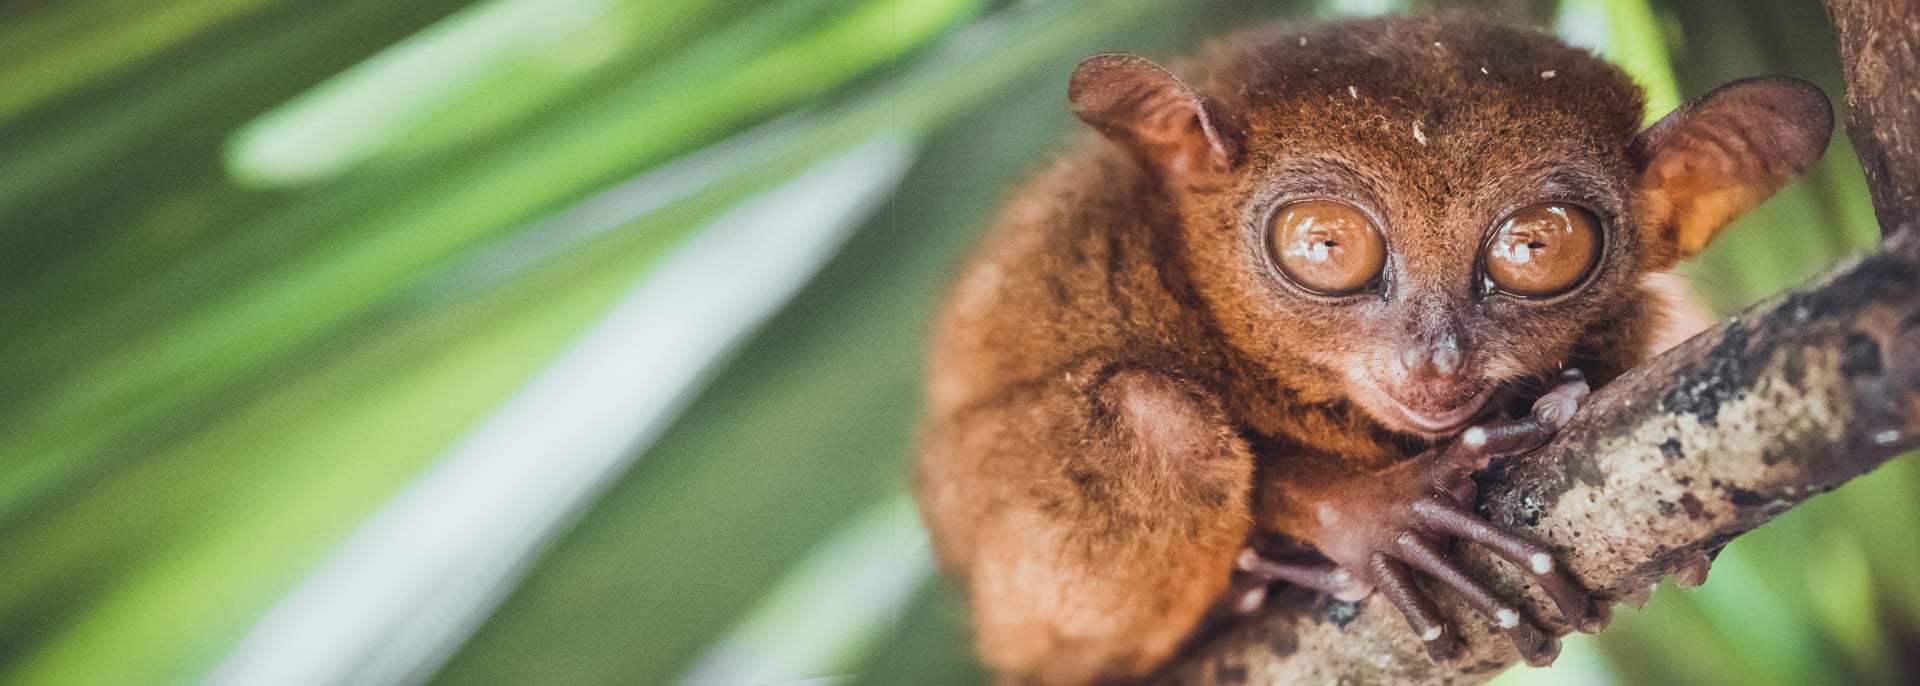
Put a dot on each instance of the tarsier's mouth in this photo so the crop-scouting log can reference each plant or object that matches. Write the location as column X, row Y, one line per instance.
column 1433, row 423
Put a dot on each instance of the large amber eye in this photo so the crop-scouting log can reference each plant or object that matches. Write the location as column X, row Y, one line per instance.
column 1544, row 250
column 1327, row 247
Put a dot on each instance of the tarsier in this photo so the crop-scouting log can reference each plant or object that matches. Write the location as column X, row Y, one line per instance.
column 1302, row 294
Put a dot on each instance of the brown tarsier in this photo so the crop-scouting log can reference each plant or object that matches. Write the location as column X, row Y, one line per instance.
column 1302, row 294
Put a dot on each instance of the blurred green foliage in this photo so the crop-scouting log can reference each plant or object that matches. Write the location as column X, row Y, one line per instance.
column 263, row 262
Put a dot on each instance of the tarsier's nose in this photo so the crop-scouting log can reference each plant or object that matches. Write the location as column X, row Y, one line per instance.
column 1438, row 358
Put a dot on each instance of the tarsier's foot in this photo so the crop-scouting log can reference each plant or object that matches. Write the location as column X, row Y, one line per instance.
column 1410, row 513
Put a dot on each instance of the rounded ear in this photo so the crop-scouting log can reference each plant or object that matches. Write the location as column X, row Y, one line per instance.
column 1714, row 158
column 1153, row 114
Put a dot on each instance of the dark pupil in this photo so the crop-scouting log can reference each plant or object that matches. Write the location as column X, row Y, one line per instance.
column 1536, row 245
column 1331, row 243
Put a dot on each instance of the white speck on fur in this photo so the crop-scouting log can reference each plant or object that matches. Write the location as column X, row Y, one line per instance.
column 1353, row 92
column 1417, row 135
column 1548, row 74
column 1303, row 41
column 1474, row 437
column 1483, row 70
column 1508, row 618
column 1433, row 632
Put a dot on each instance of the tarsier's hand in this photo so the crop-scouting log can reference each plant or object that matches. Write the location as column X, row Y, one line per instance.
column 1383, row 526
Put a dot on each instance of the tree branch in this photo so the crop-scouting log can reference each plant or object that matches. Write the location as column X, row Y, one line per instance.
column 1719, row 435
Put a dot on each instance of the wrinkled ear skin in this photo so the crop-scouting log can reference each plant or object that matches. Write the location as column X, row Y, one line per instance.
column 1711, row 160
column 1172, row 129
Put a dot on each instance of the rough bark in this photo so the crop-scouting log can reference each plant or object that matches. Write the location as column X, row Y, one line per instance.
column 1791, row 399
column 1879, row 43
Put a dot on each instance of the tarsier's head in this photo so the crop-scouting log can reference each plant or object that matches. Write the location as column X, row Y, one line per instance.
column 1425, row 213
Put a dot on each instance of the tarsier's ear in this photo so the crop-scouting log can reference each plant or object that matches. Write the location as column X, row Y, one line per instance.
column 1153, row 114
column 1711, row 160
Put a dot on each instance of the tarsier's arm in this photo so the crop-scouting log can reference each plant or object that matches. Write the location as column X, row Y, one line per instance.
column 1096, row 518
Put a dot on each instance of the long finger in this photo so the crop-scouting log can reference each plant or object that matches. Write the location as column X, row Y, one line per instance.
column 1317, row 574
column 1550, row 413
column 1575, row 602
column 1533, row 645
column 1397, row 585
column 1511, row 438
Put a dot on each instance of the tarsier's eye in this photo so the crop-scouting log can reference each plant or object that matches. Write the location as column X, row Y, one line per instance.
column 1327, row 247
column 1543, row 250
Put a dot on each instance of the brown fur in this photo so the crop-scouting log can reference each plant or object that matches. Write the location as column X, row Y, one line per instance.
column 1122, row 390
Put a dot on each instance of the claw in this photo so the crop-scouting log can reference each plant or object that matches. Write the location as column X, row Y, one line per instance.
column 1637, row 598
column 1541, row 653
column 1693, row 572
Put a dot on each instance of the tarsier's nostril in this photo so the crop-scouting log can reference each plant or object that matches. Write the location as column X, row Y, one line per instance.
column 1413, row 358
column 1441, row 359
column 1446, row 357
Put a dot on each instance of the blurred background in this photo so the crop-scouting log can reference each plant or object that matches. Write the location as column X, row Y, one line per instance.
column 578, row 341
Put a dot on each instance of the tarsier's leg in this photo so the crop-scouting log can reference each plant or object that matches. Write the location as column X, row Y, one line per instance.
column 1095, row 522
column 1404, row 519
